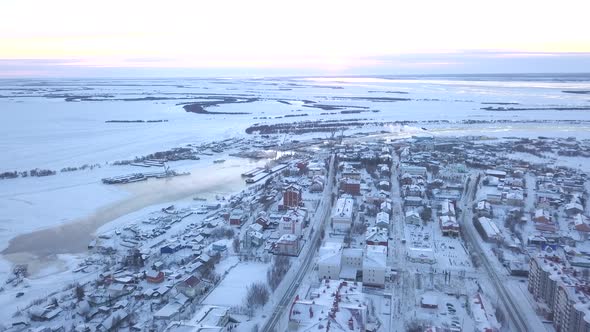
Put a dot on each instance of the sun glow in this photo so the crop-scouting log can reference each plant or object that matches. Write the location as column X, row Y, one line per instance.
column 264, row 33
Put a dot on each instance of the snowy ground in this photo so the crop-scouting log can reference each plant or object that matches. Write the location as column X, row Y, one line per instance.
column 234, row 287
column 52, row 133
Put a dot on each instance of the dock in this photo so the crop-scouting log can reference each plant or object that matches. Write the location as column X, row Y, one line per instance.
column 136, row 177
column 262, row 173
column 252, row 172
column 257, row 177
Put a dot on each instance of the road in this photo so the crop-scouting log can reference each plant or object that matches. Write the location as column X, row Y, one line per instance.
column 397, row 255
column 518, row 321
column 323, row 211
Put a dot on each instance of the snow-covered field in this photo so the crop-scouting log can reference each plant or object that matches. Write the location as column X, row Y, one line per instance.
column 234, row 287
column 53, row 133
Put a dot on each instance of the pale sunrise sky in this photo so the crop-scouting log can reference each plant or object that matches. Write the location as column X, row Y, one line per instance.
column 69, row 38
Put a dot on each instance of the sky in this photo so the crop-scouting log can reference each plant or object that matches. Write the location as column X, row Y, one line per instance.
column 256, row 37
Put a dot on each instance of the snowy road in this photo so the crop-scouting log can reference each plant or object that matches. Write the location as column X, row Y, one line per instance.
column 518, row 320
column 323, row 212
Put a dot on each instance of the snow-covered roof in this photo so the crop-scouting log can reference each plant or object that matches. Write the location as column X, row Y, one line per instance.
column 489, row 227
column 447, row 208
column 429, row 299
column 483, row 205
column 382, row 218
column 542, row 213
column 330, row 253
column 574, row 206
column 496, row 173
column 483, row 314
column 211, row 316
column 375, row 257
column 287, row 238
column 376, row 234
column 343, row 208
column 335, row 306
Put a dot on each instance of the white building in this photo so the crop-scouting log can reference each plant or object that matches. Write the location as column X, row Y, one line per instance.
column 413, row 217
column 292, row 222
column 488, row 229
column 336, row 305
column 352, row 263
column 209, row 318
column 414, row 170
column 386, row 207
column 342, row 214
column 330, row 261
column 382, row 220
column 447, row 208
column 287, row 244
column 374, row 266
column 421, row 255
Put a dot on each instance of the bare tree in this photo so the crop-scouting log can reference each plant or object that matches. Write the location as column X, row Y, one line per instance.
column 257, row 295
column 236, row 244
column 277, row 271
column 79, row 292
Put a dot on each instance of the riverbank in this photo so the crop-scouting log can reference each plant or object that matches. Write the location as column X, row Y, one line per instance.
column 73, row 236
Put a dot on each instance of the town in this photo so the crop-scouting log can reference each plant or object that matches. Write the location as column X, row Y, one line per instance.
column 356, row 233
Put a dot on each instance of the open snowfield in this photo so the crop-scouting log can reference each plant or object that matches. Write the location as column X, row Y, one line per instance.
column 49, row 132
column 233, row 288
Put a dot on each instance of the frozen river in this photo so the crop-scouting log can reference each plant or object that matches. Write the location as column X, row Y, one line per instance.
column 74, row 237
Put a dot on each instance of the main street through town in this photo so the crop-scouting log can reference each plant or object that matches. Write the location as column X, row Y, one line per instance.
column 320, row 218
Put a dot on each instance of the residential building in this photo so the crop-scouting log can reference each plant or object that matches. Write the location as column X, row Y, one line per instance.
column 565, row 295
column 375, row 265
column 287, row 245
column 342, row 214
column 413, row 217
column 209, row 318
column 236, row 218
column 414, row 170
column 292, row 196
column 352, row 263
column 484, row 209
column 330, row 260
column 292, row 222
column 382, row 220
column 350, row 186
column 337, row 305
column 376, row 236
column 413, row 201
column 191, row 286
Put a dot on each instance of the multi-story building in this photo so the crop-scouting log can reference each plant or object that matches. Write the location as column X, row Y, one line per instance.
column 566, row 296
column 350, row 186
column 375, row 266
column 287, row 245
column 330, row 261
column 342, row 214
column 292, row 196
column 337, row 305
column 292, row 222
